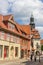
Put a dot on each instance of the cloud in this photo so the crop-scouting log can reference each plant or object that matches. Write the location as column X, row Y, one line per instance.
column 22, row 9
column 40, row 29
column 4, row 6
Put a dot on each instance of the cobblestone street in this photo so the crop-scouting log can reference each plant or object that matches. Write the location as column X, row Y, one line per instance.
column 21, row 62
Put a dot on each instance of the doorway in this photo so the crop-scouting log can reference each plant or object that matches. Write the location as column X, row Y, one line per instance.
column 22, row 53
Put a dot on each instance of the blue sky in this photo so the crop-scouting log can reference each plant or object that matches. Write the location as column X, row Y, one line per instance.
column 22, row 9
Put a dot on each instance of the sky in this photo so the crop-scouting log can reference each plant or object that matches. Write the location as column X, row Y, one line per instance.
column 22, row 9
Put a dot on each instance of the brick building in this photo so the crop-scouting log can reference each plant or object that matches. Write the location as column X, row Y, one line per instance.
column 16, row 41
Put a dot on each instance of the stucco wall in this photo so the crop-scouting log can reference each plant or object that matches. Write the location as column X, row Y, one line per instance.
column 35, row 41
column 5, row 43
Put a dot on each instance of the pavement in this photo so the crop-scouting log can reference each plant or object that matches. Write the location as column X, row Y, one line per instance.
column 21, row 62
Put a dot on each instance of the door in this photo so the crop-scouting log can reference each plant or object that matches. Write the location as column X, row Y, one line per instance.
column 6, row 51
column 22, row 53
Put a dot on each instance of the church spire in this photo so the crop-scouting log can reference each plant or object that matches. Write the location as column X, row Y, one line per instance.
column 32, row 24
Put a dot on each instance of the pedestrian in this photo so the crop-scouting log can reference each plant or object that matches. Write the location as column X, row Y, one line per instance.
column 35, row 58
column 39, row 57
column 31, row 57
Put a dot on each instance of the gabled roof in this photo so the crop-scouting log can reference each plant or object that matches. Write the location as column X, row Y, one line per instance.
column 19, row 27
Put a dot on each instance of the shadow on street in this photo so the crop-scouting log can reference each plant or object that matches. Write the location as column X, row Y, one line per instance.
column 32, row 63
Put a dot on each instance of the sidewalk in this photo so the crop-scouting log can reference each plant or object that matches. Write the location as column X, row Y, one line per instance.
column 15, row 60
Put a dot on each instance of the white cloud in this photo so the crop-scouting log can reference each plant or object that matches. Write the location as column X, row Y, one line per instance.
column 22, row 10
column 40, row 29
column 4, row 6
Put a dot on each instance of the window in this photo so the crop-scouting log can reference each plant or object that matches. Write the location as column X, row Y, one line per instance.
column 2, row 35
column 8, row 37
column 15, row 39
column 6, row 51
column 1, row 50
column 25, row 51
column 16, row 51
column 11, row 26
column 18, row 40
column 12, row 38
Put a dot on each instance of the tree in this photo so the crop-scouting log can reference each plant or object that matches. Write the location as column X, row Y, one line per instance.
column 42, row 47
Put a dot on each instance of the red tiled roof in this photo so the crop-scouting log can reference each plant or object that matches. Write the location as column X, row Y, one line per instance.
column 1, row 17
column 6, row 17
column 2, row 25
column 24, row 28
column 41, row 41
column 35, row 34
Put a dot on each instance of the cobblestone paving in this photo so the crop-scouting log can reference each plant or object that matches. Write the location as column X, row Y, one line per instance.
column 21, row 62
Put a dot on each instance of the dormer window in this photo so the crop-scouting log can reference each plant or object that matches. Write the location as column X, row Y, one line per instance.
column 11, row 26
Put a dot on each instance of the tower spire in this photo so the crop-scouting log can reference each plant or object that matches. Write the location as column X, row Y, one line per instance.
column 32, row 24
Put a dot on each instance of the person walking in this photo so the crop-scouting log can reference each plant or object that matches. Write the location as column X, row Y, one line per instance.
column 35, row 58
column 31, row 57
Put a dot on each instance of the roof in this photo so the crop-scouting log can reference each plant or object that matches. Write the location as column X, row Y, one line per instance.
column 19, row 27
column 6, row 17
column 26, row 28
column 1, row 17
column 41, row 41
column 35, row 34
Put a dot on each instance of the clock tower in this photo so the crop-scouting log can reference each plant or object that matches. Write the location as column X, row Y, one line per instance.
column 32, row 24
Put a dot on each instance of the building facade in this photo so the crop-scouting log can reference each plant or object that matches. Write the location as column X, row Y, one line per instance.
column 35, row 37
column 15, row 39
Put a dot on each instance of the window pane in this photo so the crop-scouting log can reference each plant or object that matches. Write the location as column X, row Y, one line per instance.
column 2, row 35
column 11, row 26
column 16, row 51
column 12, row 38
column 8, row 37
column 6, row 51
column 1, row 50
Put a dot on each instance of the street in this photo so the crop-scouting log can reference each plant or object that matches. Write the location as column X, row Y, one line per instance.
column 22, row 62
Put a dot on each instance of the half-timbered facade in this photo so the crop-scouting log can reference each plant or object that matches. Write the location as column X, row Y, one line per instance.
column 15, row 39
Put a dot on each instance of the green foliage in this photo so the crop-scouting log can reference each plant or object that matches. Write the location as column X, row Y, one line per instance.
column 42, row 47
